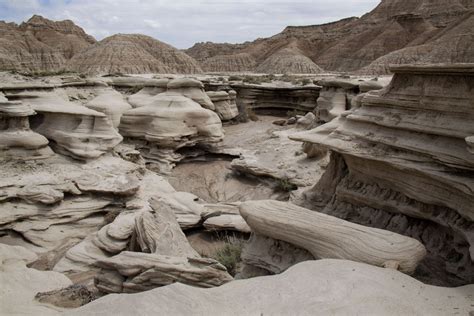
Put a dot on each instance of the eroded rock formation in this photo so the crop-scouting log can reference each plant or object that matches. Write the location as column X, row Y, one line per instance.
column 17, row 140
column 396, row 31
column 132, row 53
column 40, row 44
column 330, row 237
column 74, row 130
column 328, row 286
column 401, row 162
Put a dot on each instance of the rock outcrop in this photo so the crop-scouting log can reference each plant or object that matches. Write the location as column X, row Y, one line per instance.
column 224, row 103
column 161, row 254
column 191, row 88
column 276, row 98
column 132, row 53
column 288, row 61
column 40, row 44
column 20, row 284
column 74, row 130
column 330, row 237
column 326, row 286
column 17, row 140
column 396, row 31
column 337, row 94
column 401, row 162
column 168, row 122
column 111, row 103
column 229, row 63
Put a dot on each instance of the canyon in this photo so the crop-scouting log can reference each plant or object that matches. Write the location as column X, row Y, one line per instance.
column 326, row 170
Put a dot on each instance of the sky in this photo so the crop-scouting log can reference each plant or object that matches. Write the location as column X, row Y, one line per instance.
column 182, row 23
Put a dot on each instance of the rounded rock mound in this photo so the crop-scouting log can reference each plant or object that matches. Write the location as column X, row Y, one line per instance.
column 132, row 53
column 287, row 61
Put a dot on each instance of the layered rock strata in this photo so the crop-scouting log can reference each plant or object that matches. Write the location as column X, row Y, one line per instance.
column 170, row 121
column 17, row 140
column 225, row 105
column 336, row 96
column 191, row 88
column 401, row 162
column 328, row 286
column 330, row 237
column 132, row 53
column 142, row 250
column 274, row 98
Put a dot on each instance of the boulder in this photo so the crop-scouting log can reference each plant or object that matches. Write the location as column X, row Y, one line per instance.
column 326, row 236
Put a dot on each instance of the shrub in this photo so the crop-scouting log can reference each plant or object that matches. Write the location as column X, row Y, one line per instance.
column 285, row 185
column 229, row 254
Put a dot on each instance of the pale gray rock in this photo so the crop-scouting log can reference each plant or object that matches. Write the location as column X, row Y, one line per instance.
column 193, row 89
column 271, row 255
column 17, row 140
column 144, row 271
column 77, row 131
column 326, row 236
column 111, row 103
column 401, row 163
column 20, row 284
column 224, row 103
column 330, row 287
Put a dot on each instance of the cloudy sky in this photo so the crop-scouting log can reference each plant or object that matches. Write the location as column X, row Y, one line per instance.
column 182, row 23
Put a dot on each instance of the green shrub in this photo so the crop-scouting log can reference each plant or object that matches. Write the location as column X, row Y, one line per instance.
column 285, row 185
column 229, row 254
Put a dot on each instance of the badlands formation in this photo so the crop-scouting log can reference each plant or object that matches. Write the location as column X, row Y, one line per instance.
column 135, row 183
column 343, row 183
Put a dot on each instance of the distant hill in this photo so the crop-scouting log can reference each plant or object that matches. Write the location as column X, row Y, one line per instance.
column 396, row 31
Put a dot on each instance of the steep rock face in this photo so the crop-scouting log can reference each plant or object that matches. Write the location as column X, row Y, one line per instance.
column 353, row 43
column 40, row 44
column 133, row 53
column 63, row 36
column 401, row 162
column 453, row 45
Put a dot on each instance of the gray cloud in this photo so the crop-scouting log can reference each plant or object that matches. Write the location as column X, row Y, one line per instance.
column 183, row 22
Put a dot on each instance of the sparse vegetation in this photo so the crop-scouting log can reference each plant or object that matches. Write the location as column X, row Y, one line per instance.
column 134, row 89
column 229, row 254
column 36, row 74
column 285, row 185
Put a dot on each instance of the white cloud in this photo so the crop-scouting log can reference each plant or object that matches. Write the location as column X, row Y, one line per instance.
column 183, row 22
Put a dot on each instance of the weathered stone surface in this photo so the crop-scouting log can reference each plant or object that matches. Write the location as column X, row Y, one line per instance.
column 326, row 286
column 17, row 140
column 40, row 44
column 168, row 122
column 277, row 98
column 224, row 103
column 20, row 284
column 132, row 53
column 330, row 237
column 111, row 103
column 403, row 164
column 77, row 131
column 288, row 61
column 271, row 255
column 193, row 89
column 145, row 271
column 396, row 31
